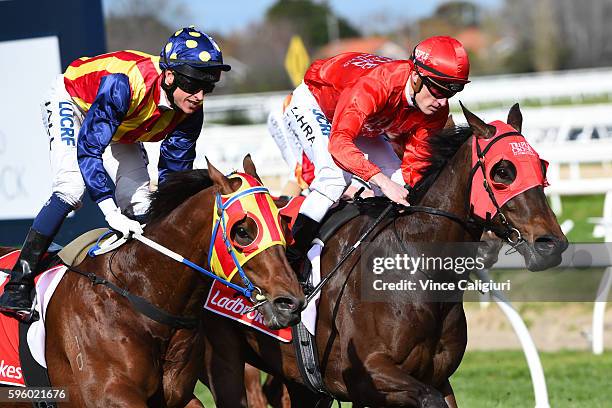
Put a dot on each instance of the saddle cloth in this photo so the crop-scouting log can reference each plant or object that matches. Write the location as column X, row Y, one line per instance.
column 45, row 283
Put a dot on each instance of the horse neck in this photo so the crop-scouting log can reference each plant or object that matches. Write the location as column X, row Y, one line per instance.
column 450, row 192
column 159, row 278
column 187, row 229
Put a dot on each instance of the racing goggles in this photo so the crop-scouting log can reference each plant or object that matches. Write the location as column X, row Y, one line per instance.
column 192, row 85
column 439, row 89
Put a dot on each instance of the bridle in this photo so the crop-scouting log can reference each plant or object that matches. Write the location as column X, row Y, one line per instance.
column 224, row 204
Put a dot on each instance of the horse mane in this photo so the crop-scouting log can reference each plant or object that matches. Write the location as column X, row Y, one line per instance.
column 176, row 188
column 442, row 146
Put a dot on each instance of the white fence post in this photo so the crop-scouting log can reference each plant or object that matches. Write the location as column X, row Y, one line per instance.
column 531, row 353
column 599, row 309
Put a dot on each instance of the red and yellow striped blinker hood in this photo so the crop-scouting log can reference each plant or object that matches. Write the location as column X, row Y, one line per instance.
column 251, row 200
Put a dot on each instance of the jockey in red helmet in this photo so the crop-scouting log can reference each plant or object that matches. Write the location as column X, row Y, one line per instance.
column 97, row 115
column 349, row 105
column 441, row 64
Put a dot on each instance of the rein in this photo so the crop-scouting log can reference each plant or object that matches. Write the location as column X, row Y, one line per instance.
column 142, row 305
column 250, row 291
column 505, row 232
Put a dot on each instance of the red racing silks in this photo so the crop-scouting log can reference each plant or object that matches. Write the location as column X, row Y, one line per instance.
column 257, row 206
column 515, row 149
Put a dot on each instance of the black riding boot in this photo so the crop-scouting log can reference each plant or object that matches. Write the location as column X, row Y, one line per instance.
column 304, row 231
column 16, row 296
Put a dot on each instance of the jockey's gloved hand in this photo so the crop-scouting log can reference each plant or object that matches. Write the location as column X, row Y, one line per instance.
column 391, row 189
column 118, row 221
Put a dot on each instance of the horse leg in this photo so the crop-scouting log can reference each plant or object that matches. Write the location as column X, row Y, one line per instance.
column 396, row 387
column 194, row 403
column 180, row 367
column 222, row 372
column 252, row 381
column 276, row 392
column 449, row 395
column 302, row 397
column 226, row 382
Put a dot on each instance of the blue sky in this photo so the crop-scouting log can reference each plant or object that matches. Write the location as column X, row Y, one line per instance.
column 225, row 16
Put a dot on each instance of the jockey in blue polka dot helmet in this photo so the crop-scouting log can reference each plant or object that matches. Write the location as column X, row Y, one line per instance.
column 194, row 58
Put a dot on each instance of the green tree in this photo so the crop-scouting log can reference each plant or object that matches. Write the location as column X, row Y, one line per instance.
column 138, row 25
column 310, row 20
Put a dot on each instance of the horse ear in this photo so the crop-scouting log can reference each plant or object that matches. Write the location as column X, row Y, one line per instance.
column 450, row 123
column 481, row 129
column 218, row 178
column 249, row 167
column 515, row 117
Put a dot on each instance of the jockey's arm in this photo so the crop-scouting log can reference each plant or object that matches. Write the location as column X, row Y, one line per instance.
column 416, row 149
column 352, row 110
column 178, row 151
column 100, row 123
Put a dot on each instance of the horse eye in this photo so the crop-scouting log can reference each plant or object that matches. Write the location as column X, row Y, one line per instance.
column 503, row 172
column 240, row 233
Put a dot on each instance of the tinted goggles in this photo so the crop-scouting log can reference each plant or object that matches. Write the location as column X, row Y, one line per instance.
column 441, row 90
column 192, row 85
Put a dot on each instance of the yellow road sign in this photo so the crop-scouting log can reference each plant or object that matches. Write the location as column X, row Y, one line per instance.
column 297, row 60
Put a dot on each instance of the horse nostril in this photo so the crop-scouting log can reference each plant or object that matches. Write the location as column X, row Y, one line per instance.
column 548, row 245
column 287, row 304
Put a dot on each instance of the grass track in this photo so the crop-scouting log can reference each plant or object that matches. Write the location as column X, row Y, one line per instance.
column 500, row 379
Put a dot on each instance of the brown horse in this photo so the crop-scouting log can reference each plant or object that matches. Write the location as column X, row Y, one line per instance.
column 403, row 351
column 108, row 354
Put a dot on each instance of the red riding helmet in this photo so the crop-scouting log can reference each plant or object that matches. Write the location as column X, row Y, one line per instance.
column 443, row 60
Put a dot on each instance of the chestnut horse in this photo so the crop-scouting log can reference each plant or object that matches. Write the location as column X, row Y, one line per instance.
column 108, row 354
column 403, row 351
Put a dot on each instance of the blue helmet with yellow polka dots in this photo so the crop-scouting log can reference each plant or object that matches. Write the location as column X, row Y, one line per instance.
column 194, row 54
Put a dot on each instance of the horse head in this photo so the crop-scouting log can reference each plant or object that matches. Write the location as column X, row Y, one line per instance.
column 248, row 245
column 507, row 190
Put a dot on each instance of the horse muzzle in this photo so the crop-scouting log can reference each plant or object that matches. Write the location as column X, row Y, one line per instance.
column 282, row 311
column 544, row 253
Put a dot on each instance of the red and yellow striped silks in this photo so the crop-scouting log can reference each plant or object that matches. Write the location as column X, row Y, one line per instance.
column 144, row 120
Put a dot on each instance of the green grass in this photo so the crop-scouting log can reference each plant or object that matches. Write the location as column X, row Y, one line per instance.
column 497, row 379
column 501, row 379
column 204, row 395
column 578, row 209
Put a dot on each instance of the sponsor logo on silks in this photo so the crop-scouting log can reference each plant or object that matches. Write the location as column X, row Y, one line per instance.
column 223, row 301
column 10, row 371
column 367, row 61
column 322, row 121
column 421, row 55
column 519, row 148
column 67, row 123
column 304, row 126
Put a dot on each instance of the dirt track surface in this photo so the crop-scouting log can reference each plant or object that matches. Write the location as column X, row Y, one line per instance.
column 553, row 326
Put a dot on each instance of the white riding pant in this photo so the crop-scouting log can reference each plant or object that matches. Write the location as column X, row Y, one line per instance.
column 126, row 164
column 305, row 122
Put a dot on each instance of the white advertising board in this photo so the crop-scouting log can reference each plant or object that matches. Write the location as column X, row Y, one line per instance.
column 27, row 69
